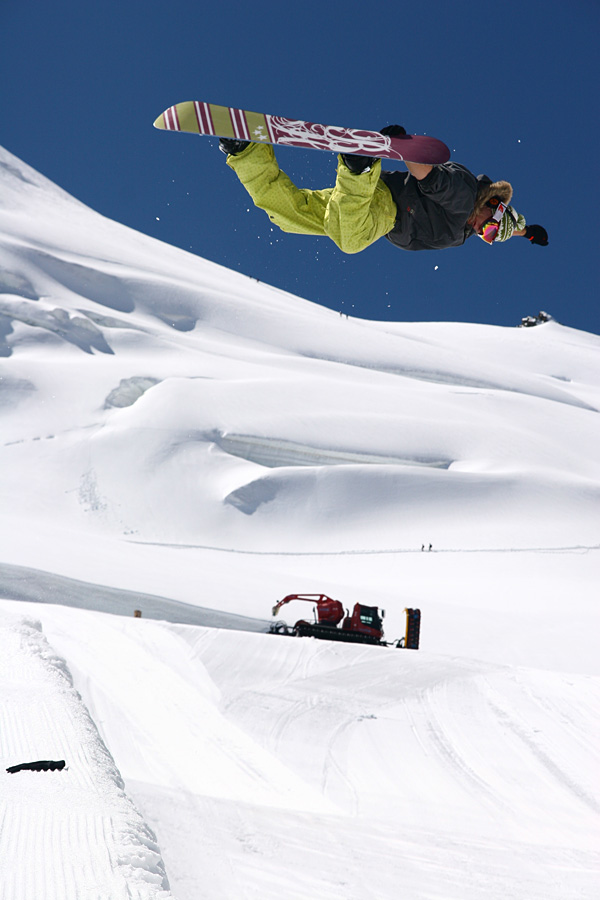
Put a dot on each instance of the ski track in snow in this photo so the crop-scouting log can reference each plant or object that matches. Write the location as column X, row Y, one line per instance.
column 385, row 551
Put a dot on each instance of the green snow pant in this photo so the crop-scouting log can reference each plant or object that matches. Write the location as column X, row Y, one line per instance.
column 355, row 213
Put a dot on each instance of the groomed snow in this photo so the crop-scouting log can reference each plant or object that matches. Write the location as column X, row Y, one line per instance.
column 69, row 833
column 179, row 439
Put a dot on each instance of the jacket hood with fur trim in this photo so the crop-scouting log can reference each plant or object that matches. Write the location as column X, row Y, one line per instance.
column 488, row 189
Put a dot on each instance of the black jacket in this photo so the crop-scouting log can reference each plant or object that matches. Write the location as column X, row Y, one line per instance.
column 432, row 213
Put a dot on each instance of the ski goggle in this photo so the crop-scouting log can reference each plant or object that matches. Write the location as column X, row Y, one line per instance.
column 490, row 229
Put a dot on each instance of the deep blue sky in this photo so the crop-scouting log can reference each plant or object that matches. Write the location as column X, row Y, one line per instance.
column 511, row 87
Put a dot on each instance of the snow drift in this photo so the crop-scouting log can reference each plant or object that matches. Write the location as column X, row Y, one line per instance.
column 177, row 438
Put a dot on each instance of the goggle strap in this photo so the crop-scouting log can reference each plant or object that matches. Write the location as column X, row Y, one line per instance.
column 499, row 212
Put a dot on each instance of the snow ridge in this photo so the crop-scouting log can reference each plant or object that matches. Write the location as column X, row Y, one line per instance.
column 78, row 824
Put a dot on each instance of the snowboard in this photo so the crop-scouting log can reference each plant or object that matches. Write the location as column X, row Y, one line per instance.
column 196, row 117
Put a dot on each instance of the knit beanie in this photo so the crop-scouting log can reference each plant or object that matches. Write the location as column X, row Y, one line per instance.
column 511, row 221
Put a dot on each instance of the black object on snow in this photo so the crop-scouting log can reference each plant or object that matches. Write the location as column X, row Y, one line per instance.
column 413, row 629
column 42, row 765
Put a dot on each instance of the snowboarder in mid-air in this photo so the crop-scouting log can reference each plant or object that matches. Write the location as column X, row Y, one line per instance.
column 430, row 207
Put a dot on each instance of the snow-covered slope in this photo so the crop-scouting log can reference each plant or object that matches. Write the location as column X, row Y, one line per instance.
column 276, row 767
column 178, row 438
column 72, row 832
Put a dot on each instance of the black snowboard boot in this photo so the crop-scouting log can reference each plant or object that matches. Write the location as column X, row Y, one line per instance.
column 232, row 146
column 358, row 164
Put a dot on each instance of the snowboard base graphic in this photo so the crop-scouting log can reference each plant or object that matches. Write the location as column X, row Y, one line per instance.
column 196, row 117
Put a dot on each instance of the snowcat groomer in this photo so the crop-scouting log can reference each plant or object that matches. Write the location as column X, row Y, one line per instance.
column 364, row 626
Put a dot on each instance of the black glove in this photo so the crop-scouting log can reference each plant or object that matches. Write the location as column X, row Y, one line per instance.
column 393, row 130
column 536, row 235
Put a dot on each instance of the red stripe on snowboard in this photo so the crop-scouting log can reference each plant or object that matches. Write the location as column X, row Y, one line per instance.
column 240, row 126
column 172, row 119
column 204, row 117
column 270, row 131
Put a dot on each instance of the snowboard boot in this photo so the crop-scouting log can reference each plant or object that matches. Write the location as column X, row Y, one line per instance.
column 231, row 146
column 358, row 164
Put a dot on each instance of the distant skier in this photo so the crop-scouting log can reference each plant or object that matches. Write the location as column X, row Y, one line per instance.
column 426, row 208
